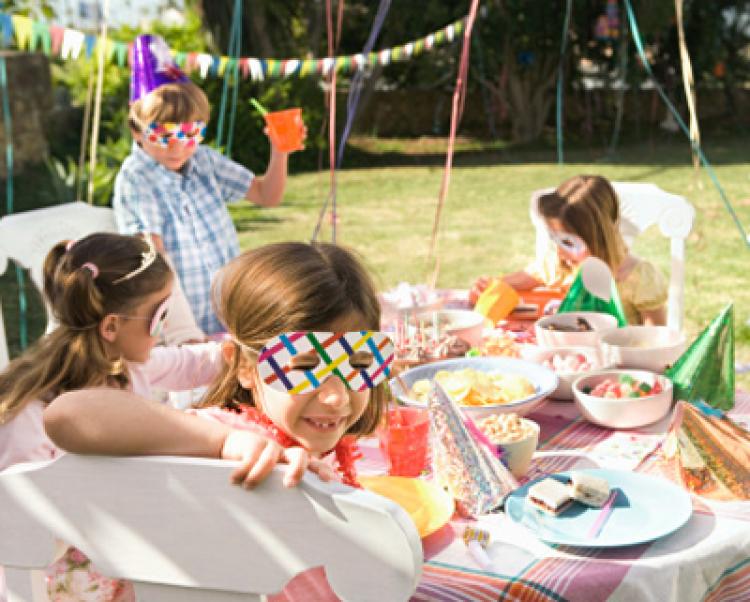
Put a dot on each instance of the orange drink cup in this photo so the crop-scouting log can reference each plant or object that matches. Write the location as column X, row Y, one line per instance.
column 404, row 441
column 285, row 129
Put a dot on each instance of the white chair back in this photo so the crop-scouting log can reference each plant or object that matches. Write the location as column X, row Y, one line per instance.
column 643, row 205
column 180, row 531
column 27, row 237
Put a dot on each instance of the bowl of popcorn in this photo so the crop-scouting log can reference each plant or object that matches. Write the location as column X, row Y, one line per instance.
column 573, row 329
column 518, row 437
column 623, row 399
column 480, row 386
column 568, row 363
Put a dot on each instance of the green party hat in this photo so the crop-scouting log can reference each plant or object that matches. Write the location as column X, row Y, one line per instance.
column 705, row 372
column 594, row 289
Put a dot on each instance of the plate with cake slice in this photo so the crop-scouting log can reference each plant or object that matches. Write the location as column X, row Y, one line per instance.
column 600, row 508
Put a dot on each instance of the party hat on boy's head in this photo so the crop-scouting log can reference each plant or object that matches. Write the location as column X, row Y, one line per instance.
column 594, row 289
column 151, row 66
column 705, row 372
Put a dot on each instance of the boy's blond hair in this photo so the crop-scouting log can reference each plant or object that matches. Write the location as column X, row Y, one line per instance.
column 176, row 103
column 588, row 207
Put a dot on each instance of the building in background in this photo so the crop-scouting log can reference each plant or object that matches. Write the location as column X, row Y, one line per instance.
column 87, row 14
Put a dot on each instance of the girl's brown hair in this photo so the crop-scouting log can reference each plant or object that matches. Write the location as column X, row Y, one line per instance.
column 588, row 206
column 82, row 284
column 287, row 287
column 175, row 103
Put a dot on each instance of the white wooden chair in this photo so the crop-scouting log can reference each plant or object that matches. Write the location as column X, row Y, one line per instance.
column 642, row 205
column 180, row 531
column 27, row 237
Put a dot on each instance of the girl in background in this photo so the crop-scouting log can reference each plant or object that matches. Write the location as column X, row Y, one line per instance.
column 582, row 216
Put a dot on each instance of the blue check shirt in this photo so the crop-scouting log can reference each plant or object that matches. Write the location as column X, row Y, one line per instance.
column 188, row 210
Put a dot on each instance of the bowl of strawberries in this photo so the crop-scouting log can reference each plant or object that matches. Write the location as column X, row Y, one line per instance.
column 623, row 399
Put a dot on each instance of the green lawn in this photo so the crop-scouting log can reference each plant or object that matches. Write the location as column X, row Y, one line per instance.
column 387, row 211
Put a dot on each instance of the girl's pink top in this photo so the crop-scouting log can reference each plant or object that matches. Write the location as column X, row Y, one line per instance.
column 22, row 439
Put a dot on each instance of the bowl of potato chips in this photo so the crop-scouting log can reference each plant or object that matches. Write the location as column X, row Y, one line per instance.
column 480, row 386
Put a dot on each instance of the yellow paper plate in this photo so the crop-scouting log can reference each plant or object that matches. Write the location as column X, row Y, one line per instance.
column 428, row 506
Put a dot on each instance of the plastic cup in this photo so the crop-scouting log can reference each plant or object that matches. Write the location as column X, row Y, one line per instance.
column 285, row 128
column 404, row 441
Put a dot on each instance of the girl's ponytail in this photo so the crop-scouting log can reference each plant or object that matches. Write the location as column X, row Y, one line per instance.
column 84, row 281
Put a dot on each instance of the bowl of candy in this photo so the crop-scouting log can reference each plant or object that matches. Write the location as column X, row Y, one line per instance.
column 573, row 329
column 623, row 399
column 480, row 386
column 643, row 347
column 568, row 363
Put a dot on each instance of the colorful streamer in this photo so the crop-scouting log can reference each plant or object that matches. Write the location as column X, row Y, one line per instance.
column 69, row 43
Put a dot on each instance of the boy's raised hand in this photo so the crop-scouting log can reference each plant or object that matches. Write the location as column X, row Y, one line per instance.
column 259, row 454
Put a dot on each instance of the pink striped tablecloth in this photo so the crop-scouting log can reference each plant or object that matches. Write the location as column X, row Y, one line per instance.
column 707, row 559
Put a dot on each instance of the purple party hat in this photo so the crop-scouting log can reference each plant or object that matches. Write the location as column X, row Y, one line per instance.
column 151, row 66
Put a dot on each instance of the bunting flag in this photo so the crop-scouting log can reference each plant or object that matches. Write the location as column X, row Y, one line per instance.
column 68, row 44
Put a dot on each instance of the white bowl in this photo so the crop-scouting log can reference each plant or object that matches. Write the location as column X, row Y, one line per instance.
column 626, row 413
column 543, row 379
column 564, row 391
column 558, row 338
column 642, row 347
column 517, row 453
column 462, row 323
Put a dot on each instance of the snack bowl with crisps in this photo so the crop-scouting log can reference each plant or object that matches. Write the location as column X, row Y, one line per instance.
column 573, row 329
column 480, row 386
column 623, row 399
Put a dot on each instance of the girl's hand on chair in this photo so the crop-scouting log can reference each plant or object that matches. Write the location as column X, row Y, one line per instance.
column 259, row 454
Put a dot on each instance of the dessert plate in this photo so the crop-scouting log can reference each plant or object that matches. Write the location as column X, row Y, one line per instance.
column 646, row 508
column 428, row 506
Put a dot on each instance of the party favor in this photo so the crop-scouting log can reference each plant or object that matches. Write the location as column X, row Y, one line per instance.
column 705, row 371
column 594, row 289
column 709, row 452
column 469, row 471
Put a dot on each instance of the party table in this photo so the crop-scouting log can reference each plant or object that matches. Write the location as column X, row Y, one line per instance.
column 706, row 559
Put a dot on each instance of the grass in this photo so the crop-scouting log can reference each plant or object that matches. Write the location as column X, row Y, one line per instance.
column 386, row 213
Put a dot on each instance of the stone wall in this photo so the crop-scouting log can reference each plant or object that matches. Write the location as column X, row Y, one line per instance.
column 31, row 101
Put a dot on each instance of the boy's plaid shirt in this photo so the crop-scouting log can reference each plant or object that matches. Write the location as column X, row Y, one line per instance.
column 188, row 210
